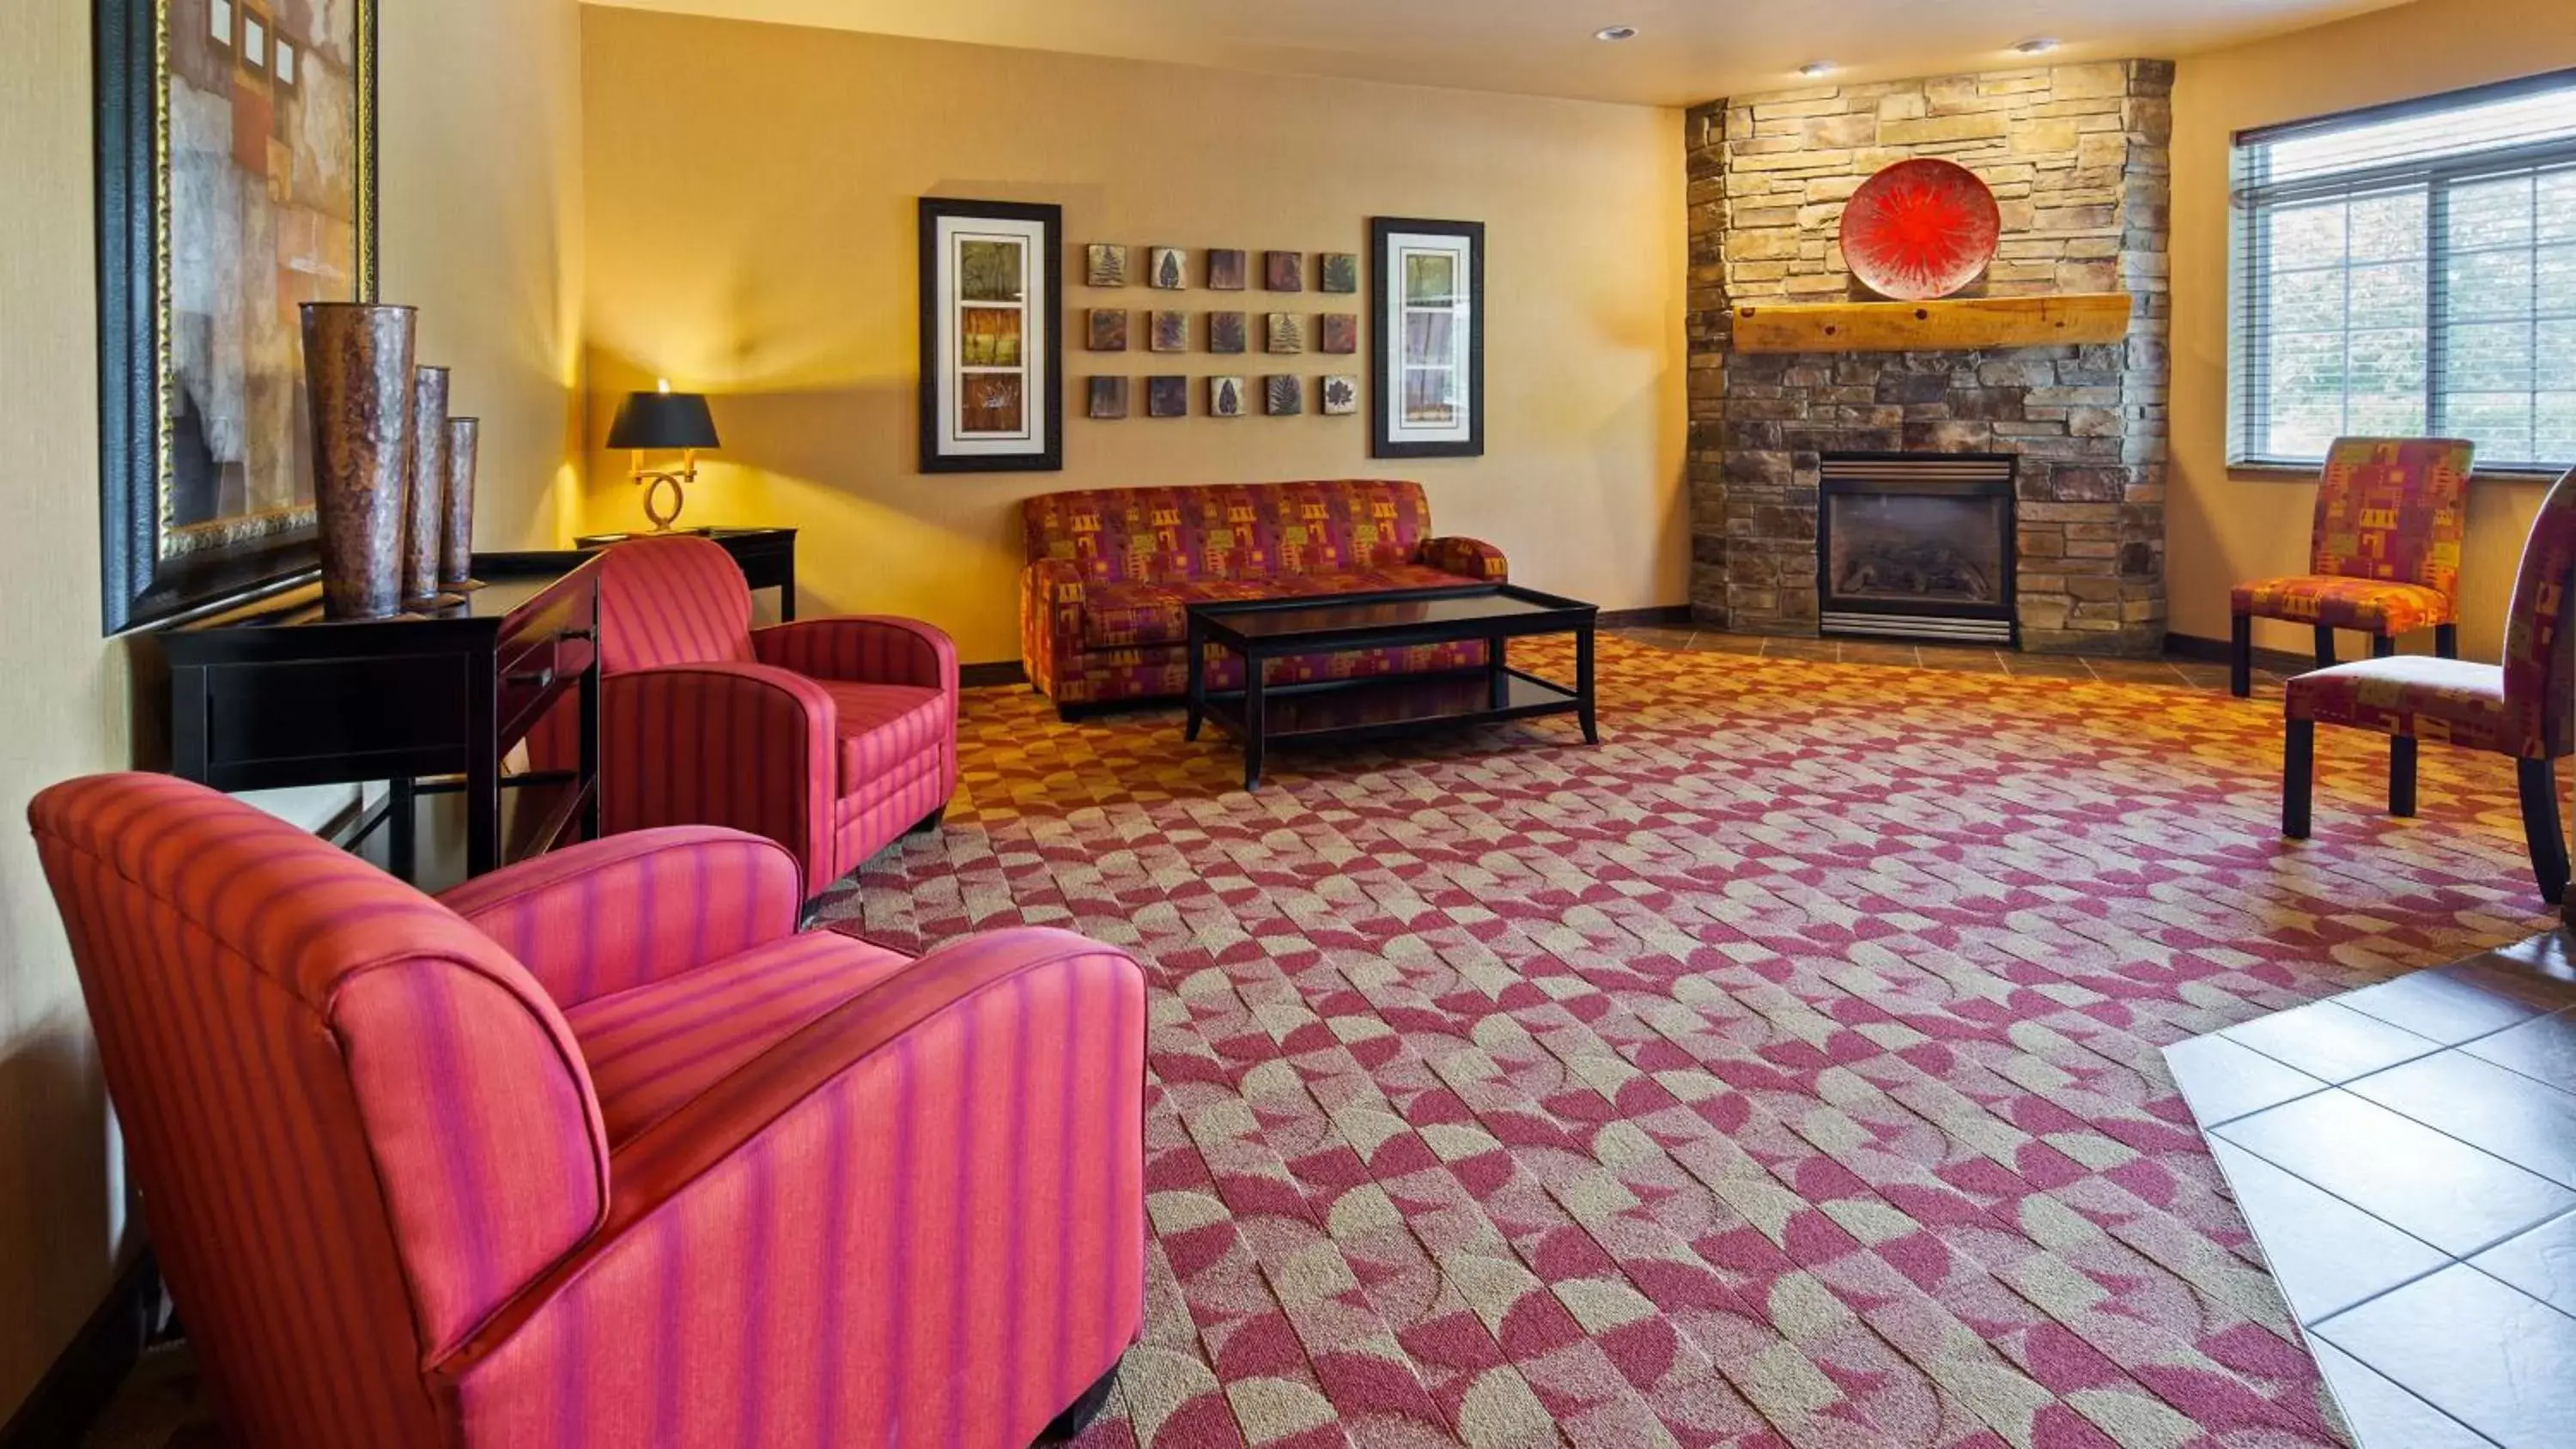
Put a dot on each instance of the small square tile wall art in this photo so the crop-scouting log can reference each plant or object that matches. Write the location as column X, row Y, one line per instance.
column 1170, row 333
column 1227, row 331
column 1341, row 272
column 1167, row 268
column 1286, row 332
column 1167, row 397
column 1104, row 265
column 1227, row 270
column 1341, row 396
column 1283, row 397
column 1108, row 327
column 1109, row 397
column 1225, row 397
column 1338, row 332
column 1283, row 271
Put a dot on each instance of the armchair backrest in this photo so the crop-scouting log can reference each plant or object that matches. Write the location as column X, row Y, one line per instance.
column 676, row 600
column 2540, row 631
column 1228, row 531
column 2393, row 509
column 359, row 1127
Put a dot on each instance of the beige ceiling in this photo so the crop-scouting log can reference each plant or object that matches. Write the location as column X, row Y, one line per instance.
column 1688, row 50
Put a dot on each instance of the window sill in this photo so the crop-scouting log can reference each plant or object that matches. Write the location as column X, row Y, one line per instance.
column 2307, row 473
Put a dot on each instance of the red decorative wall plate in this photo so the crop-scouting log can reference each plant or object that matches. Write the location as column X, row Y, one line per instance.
column 1920, row 229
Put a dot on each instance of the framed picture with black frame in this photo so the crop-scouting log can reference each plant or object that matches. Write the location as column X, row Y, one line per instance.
column 1427, row 369
column 236, row 153
column 992, row 354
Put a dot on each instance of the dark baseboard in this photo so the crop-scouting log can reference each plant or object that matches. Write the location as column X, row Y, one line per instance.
column 2216, row 651
column 986, row 676
column 72, row 1394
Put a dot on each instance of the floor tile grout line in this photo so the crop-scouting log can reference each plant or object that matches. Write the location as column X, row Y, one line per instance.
column 2393, row 1382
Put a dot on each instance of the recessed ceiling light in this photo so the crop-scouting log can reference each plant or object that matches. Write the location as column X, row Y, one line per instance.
column 2038, row 45
column 1816, row 68
column 1615, row 32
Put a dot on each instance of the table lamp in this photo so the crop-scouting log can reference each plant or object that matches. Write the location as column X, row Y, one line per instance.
column 663, row 420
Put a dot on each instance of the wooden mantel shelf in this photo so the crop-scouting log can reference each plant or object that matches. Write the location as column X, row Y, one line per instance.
column 1955, row 325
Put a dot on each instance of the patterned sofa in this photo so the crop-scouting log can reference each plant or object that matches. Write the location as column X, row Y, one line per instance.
column 1112, row 572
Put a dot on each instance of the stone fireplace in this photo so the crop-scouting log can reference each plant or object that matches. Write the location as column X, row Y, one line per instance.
column 2076, row 156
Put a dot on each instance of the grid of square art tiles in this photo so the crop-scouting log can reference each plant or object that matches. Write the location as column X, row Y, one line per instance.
column 1223, row 332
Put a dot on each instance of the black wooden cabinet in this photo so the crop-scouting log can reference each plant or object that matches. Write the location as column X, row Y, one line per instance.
column 767, row 557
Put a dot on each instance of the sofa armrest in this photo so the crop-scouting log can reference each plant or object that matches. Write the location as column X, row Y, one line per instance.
column 608, row 915
column 862, row 649
column 748, row 746
column 967, row 1133
column 1051, row 610
column 1468, row 557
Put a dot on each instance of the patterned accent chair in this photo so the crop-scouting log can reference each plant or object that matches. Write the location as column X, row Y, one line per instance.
column 1104, row 600
column 2522, row 708
column 832, row 737
column 2383, row 557
column 598, row 1150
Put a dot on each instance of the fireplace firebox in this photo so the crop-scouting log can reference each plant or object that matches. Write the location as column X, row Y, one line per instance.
column 1916, row 546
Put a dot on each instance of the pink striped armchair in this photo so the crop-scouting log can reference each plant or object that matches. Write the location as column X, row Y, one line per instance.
column 597, row 1150
column 832, row 737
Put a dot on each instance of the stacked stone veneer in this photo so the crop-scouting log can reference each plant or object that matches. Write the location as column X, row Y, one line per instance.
column 2077, row 158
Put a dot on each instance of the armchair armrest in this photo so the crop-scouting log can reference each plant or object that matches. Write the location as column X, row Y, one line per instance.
column 1051, row 608
column 748, row 746
column 862, row 649
column 1469, row 557
column 967, row 1133
column 607, row 915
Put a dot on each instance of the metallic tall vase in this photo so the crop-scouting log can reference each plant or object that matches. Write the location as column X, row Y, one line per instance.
column 358, row 380
column 425, row 521
column 456, row 543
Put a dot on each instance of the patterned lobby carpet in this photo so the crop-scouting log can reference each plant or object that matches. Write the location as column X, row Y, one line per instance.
column 1782, row 1072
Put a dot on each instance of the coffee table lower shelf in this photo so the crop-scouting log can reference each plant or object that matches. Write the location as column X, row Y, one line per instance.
column 1354, row 710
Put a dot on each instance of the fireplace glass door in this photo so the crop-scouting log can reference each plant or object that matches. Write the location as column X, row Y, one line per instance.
column 1917, row 547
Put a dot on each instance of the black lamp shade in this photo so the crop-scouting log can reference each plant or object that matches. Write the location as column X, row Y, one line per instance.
column 663, row 420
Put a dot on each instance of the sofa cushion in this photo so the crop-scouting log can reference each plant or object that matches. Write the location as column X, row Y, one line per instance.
column 1126, row 616
column 886, row 727
column 1228, row 531
column 653, row 1048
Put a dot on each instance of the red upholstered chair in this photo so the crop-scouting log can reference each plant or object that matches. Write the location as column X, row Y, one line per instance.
column 596, row 1150
column 2383, row 557
column 832, row 737
column 2522, row 708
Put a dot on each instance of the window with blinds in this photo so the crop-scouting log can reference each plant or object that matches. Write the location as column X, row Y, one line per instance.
column 2409, row 271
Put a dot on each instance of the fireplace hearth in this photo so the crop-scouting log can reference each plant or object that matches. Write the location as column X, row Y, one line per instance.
column 1916, row 546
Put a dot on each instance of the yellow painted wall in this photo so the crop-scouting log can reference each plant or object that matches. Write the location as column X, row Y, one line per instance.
column 2223, row 529
column 752, row 234
column 481, row 203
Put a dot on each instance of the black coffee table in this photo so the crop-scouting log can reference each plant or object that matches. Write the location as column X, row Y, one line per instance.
column 1261, row 715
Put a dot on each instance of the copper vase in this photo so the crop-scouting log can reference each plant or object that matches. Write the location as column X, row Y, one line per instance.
column 456, row 542
column 358, row 381
column 425, row 523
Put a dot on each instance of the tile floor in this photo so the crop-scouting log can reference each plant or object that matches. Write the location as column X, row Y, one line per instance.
column 2406, row 1156
column 2191, row 673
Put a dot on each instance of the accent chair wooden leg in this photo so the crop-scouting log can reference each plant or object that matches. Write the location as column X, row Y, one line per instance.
column 2401, row 775
column 2325, row 646
column 2240, row 658
column 2298, row 777
column 2541, row 829
column 2382, row 645
column 1077, row 1417
column 2446, row 641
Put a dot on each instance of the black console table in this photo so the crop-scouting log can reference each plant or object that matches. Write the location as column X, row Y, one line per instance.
column 275, row 698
